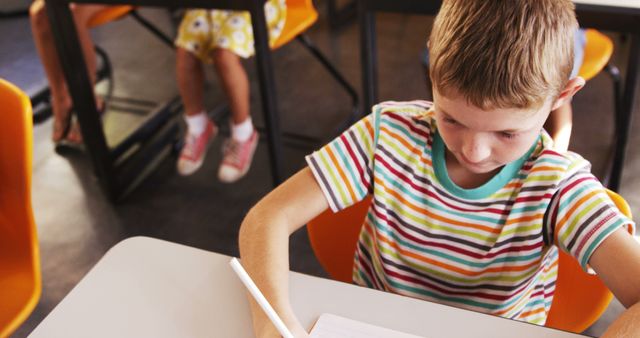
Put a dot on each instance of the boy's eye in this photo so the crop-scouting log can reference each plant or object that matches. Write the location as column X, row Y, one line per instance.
column 507, row 135
column 450, row 120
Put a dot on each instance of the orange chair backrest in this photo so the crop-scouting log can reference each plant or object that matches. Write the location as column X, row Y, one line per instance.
column 597, row 52
column 301, row 14
column 20, row 283
column 109, row 14
column 580, row 298
column 334, row 238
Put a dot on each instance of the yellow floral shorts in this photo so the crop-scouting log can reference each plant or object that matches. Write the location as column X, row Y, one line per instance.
column 202, row 31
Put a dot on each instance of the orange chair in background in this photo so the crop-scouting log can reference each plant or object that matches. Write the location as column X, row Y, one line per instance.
column 20, row 281
column 570, row 310
column 111, row 13
column 336, row 253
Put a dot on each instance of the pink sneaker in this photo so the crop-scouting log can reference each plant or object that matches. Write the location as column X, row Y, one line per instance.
column 195, row 147
column 237, row 158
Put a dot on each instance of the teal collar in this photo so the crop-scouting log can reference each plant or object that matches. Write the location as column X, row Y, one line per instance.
column 506, row 174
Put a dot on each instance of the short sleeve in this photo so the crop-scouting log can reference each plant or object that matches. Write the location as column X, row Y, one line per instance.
column 344, row 167
column 582, row 216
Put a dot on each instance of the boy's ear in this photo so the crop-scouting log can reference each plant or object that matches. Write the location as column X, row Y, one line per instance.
column 572, row 87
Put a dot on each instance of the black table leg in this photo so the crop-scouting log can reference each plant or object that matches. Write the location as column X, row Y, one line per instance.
column 267, row 90
column 81, row 91
column 369, row 56
column 622, row 130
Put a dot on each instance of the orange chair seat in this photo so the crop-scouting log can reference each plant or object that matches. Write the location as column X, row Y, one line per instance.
column 337, row 234
column 580, row 299
column 20, row 280
column 597, row 52
column 109, row 14
column 300, row 16
column 19, row 294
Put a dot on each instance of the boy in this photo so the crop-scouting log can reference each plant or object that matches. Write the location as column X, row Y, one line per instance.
column 470, row 201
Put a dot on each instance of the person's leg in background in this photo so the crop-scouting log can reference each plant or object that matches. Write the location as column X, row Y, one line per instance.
column 221, row 38
column 61, row 102
column 200, row 129
column 192, row 51
column 239, row 149
column 560, row 121
column 232, row 39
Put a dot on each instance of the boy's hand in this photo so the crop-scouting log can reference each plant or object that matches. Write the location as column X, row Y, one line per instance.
column 268, row 330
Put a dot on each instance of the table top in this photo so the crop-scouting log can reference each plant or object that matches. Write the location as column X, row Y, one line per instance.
column 620, row 7
column 146, row 287
column 624, row 4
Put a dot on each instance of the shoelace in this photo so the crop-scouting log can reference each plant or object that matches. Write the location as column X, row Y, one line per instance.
column 190, row 145
column 232, row 151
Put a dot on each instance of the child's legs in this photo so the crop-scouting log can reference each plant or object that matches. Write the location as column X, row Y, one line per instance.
column 190, row 75
column 235, row 82
column 82, row 14
column 43, row 38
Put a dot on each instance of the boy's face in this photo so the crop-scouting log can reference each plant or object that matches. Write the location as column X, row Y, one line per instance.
column 482, row 141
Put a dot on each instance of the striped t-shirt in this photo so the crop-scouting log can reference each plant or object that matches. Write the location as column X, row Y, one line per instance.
column 491, row 249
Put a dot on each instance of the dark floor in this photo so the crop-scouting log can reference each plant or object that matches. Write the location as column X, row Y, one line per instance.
column 76, row 222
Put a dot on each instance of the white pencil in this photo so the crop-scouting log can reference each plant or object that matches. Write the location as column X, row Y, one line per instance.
column 259, row 297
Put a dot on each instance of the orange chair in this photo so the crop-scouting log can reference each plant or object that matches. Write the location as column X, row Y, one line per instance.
column 20, row 282
column 570, row 310
column 109, row 14
column 336, row 253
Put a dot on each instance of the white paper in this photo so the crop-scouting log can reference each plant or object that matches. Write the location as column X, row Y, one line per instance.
column 333, row 326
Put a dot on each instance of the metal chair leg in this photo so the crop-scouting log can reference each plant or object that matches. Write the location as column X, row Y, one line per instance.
column 153, row 29
column 619, row 119
column 302, row 141
column 355, row 111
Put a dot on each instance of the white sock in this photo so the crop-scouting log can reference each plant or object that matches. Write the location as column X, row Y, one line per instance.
column 242, row 131
column 196, row 124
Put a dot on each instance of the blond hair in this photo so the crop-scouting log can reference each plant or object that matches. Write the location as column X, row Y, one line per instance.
column 503, row 53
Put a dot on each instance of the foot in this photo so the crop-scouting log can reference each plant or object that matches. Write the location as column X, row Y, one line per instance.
column 194, row 149
column 61, row 118
column 237, row 158
column 66, row 126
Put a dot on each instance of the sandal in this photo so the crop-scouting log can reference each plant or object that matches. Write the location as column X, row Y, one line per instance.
column 62, row 126
column 73, row 134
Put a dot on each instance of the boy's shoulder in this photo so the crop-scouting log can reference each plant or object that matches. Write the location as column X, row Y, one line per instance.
column 417, row 108
column 412, row 115
column 567, row 162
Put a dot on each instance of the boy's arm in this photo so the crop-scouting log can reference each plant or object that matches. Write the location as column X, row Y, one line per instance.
column 264, row 245
column 617, row 262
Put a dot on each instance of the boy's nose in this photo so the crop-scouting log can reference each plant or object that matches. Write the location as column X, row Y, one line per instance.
column 475, row 149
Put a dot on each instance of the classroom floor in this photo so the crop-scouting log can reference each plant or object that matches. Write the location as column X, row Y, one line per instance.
column 76, row 222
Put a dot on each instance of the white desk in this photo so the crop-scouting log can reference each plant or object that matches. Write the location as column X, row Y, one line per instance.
column 145, row 287
column 620, row 4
